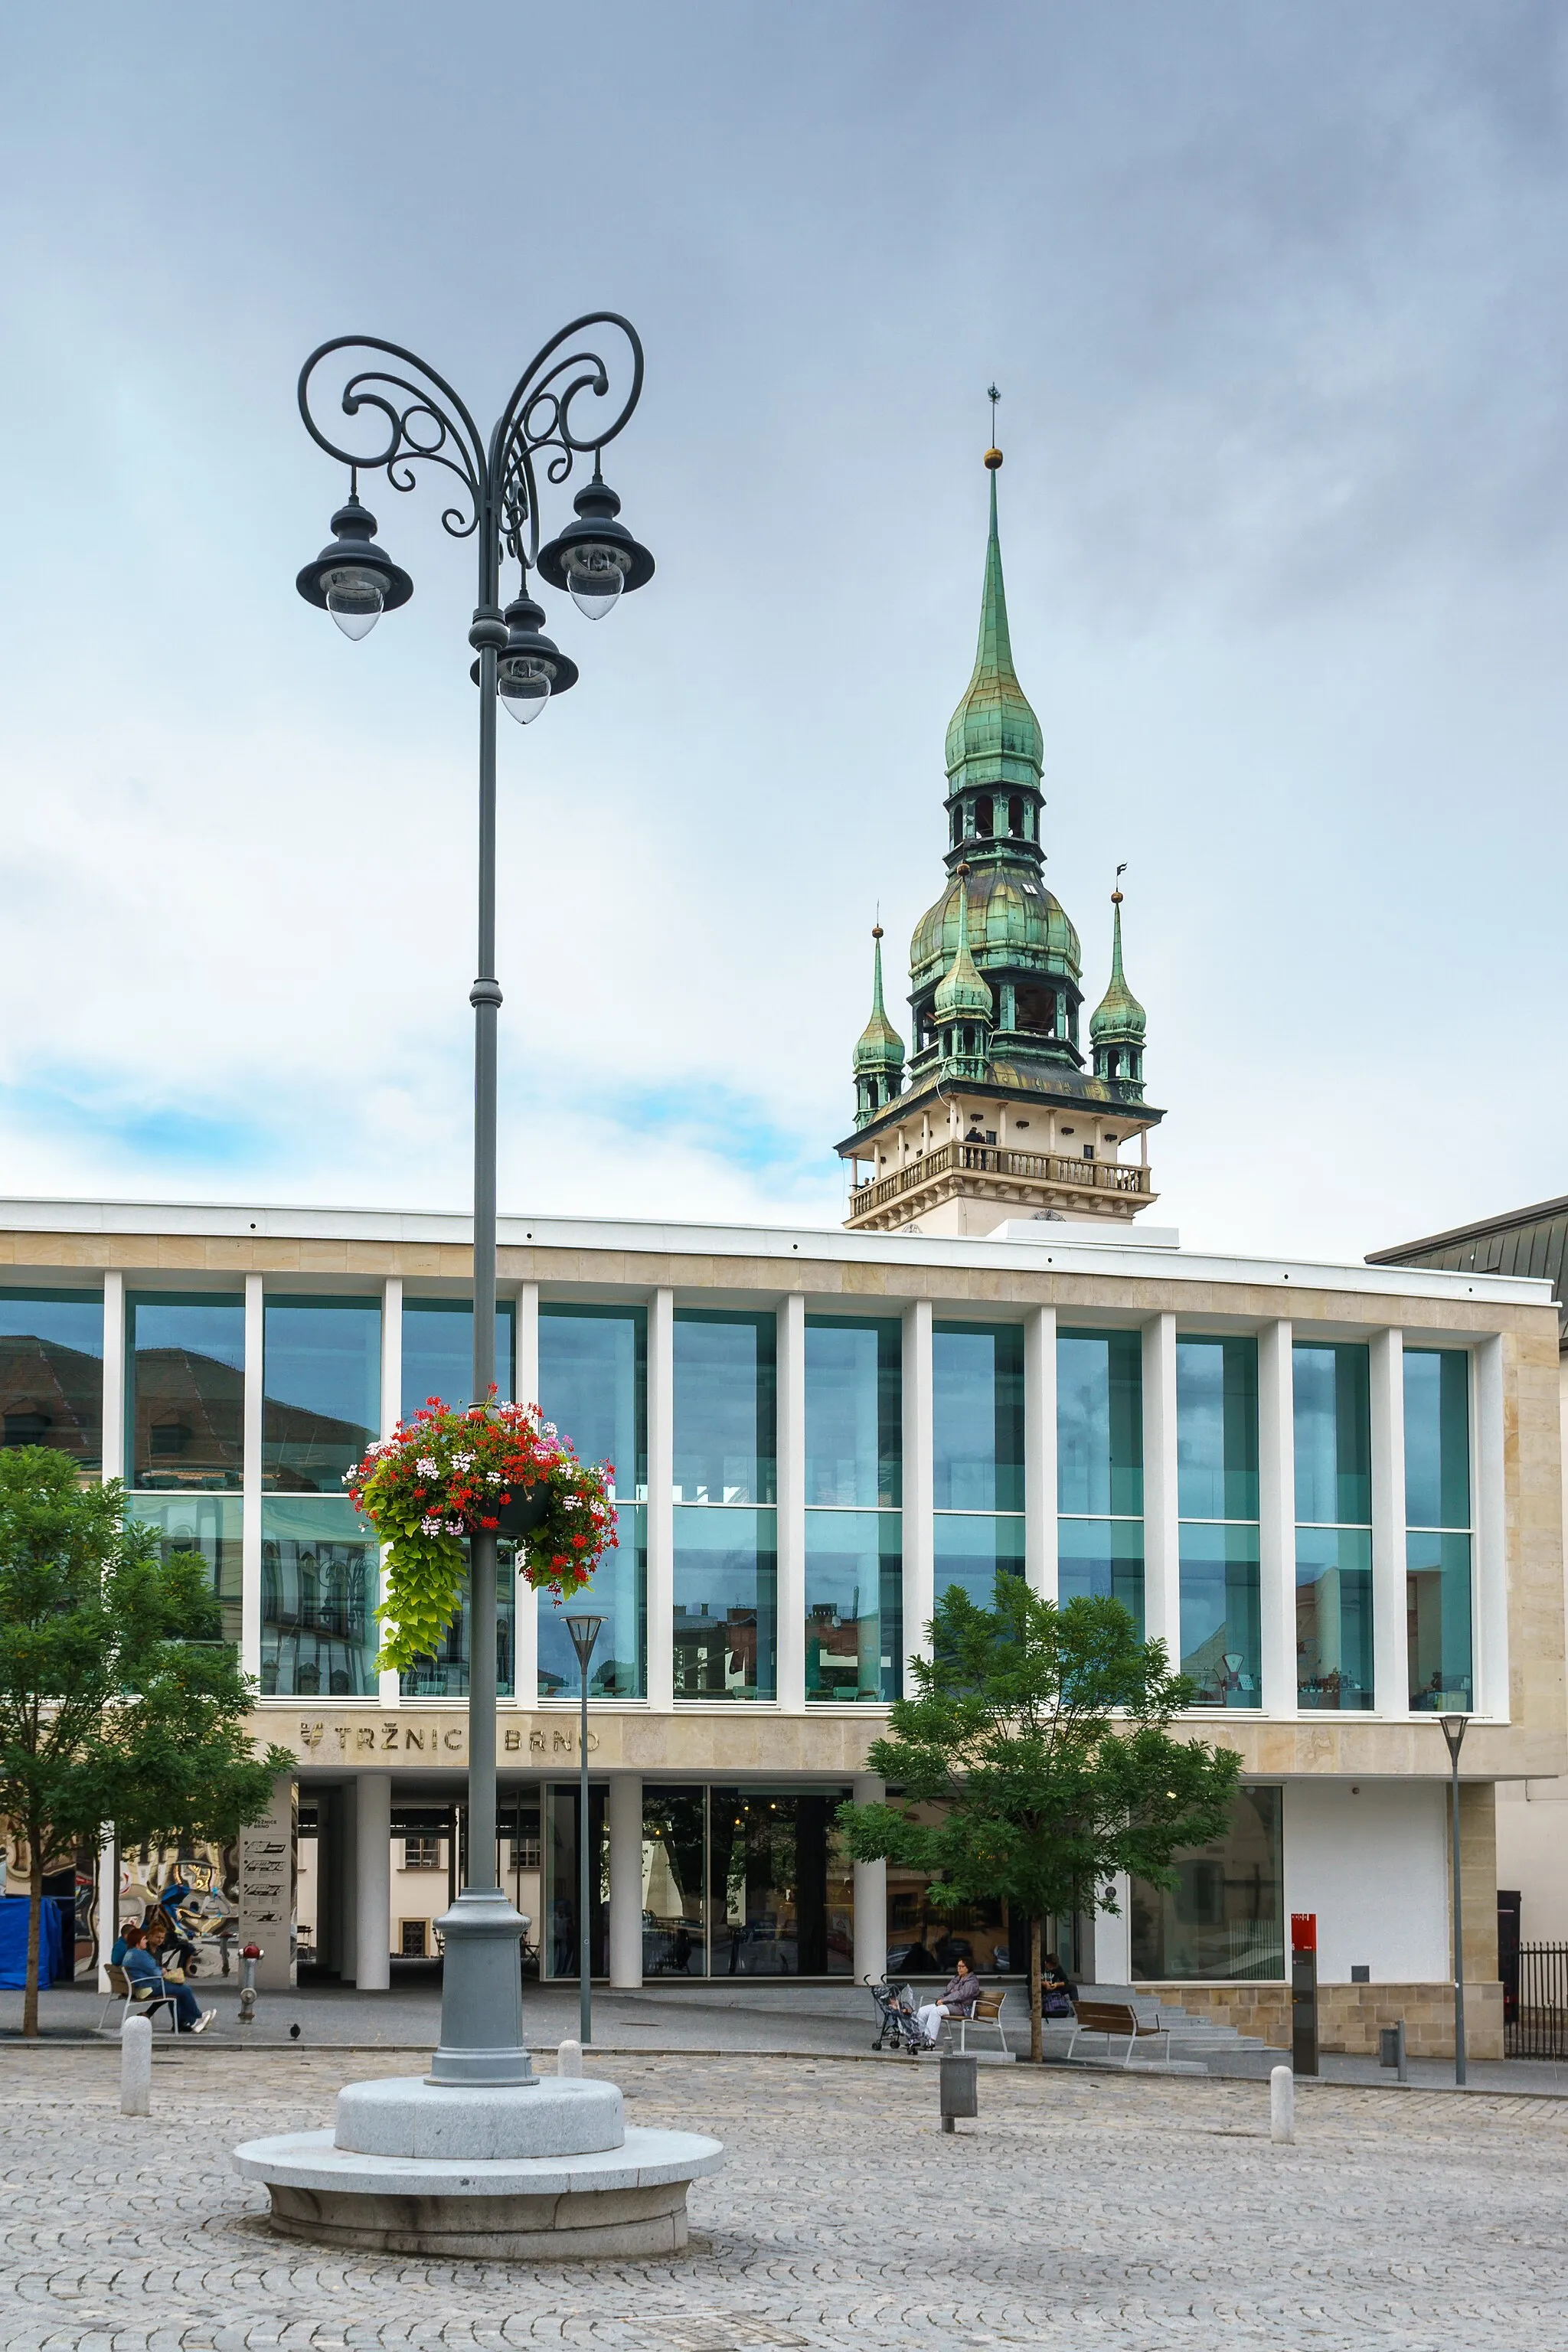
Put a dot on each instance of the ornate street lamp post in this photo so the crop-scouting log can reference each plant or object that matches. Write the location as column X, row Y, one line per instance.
column 1454, row 1728
column 549, row 422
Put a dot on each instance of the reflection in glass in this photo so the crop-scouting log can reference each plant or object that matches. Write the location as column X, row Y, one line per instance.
column 1222, row 1647
column 559, row 1950
column 438, row 1352
column 593, row 1383
column 723, row 1407
column 618, row 1593
column 1099, row 1425
column 675, row 1882
column 1101, row 1560
column 1439, row 1560
column 928, row 1939
column 1333, row 1618
column 445, row 1676
column 185, row 1390
column 51, row 1371
column 725, row 1603
column 1224, row 1918
column 977, row 1416
column 1216, row 1429
column 783, row 1885
column 854, row 1434
column 971, row 1547
column 209, row 1525
column 318, row 1589
column 854, row 1605
column 1333, row 1434
column 1437, row 1600
column 322, row 1405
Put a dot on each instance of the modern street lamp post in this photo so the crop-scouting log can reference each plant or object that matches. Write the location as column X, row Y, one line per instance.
column 546, row 428
column 1454, row 1726
column 584, row 1632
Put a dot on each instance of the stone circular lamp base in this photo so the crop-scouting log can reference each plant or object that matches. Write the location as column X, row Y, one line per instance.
column 544, row 2172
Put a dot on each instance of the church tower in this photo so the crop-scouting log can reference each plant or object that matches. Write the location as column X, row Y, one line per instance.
column 999, row 1117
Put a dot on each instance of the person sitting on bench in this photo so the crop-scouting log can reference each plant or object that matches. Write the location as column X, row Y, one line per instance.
column 142, row 1968
column 958, row 1998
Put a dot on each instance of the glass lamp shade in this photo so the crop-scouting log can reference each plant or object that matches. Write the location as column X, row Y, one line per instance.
column 523, row 682
column 584, row 1632
column 595, row 575
column 355, row 597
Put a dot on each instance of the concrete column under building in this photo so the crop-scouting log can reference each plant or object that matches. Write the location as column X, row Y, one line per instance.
column 373, row 1888
column 624, row 1809
column 871, row 1896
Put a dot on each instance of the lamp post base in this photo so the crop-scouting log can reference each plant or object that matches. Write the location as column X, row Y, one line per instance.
column 481, row 1994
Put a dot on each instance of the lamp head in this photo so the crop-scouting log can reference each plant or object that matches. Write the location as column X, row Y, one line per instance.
column 353, row 579
column 584, row 1632
column 1454, row 1733
column 596, row 559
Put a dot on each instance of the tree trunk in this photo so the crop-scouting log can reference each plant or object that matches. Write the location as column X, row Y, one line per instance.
column 35, row 1923
column 1036, row 2023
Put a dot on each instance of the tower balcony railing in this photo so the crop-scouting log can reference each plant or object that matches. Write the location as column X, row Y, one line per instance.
column 1043, row 1168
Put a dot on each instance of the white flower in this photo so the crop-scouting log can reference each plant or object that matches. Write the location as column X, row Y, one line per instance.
column 462, row 1461
column 428, row 1466
column 430, row 1527
column 455, row 1527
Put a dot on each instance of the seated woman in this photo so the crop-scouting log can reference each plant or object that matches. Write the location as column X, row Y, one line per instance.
column 1057, row 1992
column 142, row 1970
column 958, row 1998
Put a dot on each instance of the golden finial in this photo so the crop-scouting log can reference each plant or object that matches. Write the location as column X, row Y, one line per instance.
column 875, row 930
column 992, row 455
column 962, row 870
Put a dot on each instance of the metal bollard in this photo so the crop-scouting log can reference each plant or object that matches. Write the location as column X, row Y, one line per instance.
column 569, row 2059
column 960, row 2088
column 247, row 1960
column 1283, row 2106
column 1391, row 2049
column 136, row 2066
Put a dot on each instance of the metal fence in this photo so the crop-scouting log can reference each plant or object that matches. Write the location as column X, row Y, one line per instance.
column 1535, row 2005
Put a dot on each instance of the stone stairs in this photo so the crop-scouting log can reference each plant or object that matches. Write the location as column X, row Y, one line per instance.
column 1198, row 2045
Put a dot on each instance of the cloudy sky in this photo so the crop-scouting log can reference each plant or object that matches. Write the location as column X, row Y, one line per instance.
column 1274, row 295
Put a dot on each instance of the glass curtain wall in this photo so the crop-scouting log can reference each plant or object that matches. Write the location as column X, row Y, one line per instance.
column 593, row 1384
column 1217, row 1498
column 559, row 1950
column 320, row 1564
column 438, row 1361
column 1333, row 1526
column 184, row 1422
column 854, row 1522
column 977, row 1430
column 746, row 1882
column 1225, row 1917
column 51, row 1372
column 1438, row 1539
column 1100, row 1468
column 726, row 1540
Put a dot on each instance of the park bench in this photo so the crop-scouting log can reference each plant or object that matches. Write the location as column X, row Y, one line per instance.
column 985, row 2016
column 139, row 2000
column 1115, row 2019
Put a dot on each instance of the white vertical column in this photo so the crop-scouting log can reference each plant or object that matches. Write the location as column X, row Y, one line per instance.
column 1277, row 1516
column 792, row 1504
column 919, row 1553
column 391, row 1415
column 871, row 1896
column 525, row 1389
column 624, row 1808
column 108, row 1900
column 1489, row 1581
column 250, row 1519
column 660, row 1507
column 1162, row 1534
column 1390, row 1640
column 1113, row 1937
column 372, row 1881
column 1040, row 1451
column 114, row 1462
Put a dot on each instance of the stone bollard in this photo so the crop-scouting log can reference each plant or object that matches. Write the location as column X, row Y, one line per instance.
column 136, row 2066
column 568, row 2058
column 1283, row 2108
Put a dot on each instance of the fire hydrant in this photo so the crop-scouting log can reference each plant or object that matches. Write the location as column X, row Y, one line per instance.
column 249, row 1956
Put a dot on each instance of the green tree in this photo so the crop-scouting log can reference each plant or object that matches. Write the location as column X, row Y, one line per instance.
column 1041, row 1735
column 118, row 1700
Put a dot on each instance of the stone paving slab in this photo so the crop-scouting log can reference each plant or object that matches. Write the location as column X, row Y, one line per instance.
column 1078, row 2210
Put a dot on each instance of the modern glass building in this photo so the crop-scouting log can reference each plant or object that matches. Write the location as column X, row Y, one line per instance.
column 1330, row 1494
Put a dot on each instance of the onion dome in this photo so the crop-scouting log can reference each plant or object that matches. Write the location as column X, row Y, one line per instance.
column 962, row 995
column 1118, row 1017
column 1012, row 918
column 880, row 1049
column 993, row 736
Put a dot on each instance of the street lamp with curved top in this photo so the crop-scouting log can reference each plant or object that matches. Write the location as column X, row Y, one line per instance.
column 418, row 427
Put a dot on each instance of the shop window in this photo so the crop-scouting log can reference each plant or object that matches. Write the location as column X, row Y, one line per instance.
column 1223, row 1919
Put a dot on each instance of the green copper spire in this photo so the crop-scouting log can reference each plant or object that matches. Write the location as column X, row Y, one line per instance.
column 1118, row 1024
column 993, row 736
column 962, row 995
column 880, row 1046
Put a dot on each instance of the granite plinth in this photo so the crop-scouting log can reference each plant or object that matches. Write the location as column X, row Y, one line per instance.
column 608, row 2204
column 407, row 2115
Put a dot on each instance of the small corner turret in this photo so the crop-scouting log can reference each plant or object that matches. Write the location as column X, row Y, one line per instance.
column 994, row 1113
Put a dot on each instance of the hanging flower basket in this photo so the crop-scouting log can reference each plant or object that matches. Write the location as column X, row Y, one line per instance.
column 449, row 1473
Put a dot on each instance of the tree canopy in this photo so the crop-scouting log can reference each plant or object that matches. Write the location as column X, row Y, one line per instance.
column 1033, row 1764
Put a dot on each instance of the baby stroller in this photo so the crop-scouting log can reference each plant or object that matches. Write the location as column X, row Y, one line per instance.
column 898, row 2027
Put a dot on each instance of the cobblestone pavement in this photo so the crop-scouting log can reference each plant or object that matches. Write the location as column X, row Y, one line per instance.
column 1080, row 2210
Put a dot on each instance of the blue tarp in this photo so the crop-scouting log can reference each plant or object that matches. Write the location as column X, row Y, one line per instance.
column 52, row 1963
